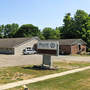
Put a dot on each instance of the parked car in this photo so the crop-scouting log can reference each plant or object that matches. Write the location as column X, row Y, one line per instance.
column 29, row 51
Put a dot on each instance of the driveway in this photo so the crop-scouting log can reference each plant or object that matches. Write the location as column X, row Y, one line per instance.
column 16, row 60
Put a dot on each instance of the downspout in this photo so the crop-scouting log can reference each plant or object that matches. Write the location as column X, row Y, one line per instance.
column 71, row 49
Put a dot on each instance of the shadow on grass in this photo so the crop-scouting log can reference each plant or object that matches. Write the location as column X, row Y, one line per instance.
column 39, row 67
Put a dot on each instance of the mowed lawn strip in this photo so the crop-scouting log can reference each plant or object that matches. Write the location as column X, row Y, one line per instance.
column 13, row 74
column 75, row 81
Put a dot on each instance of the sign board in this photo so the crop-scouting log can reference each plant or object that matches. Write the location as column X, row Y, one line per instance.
column 48, row 47
column 47, row 60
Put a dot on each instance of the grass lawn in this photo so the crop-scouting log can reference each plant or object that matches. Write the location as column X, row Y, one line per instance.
column 76, row 81
column 12, row 74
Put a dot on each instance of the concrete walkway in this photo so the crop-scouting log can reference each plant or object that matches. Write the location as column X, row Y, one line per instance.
column 33, row 80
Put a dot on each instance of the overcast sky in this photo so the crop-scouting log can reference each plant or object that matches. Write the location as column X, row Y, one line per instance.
column 42, row 13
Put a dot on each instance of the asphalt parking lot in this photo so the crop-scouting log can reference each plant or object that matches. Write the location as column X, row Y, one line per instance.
column 16, row 60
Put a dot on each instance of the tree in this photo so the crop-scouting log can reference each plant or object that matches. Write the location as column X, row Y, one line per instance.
column 50, row 33
column 14, row 29
column 67, row 31
column 81, row 18
column 82, row 22
column 10, row 30
column 87, row 25
column 77, row 26
column 2, row 28
column 27, row 30
column 58, row 32
column 41, row 36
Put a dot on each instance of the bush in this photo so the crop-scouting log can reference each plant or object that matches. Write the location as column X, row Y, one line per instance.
column 88, row 49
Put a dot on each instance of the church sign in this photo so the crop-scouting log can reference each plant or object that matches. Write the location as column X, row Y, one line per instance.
column 48, row 47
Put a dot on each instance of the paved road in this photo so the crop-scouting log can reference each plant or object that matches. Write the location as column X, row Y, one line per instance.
column 12, row 60
column 72, row 58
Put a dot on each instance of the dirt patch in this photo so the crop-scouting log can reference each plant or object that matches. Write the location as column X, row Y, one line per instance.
column 85, row 82
column 69, row 67
column 21, row 76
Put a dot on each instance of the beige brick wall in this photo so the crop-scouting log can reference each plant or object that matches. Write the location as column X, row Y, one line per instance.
column 19, row 49
column 75, row 49
column 83, row 48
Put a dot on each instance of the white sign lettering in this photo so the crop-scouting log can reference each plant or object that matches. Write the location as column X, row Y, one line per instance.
column 47, row 45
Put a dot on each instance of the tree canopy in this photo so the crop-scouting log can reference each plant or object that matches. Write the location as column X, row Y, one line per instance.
column 27, row 30
column 50, row 33
column 9, row 30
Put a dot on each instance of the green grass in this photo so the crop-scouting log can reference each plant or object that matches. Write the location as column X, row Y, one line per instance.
column 76, row 81
column 12, row 74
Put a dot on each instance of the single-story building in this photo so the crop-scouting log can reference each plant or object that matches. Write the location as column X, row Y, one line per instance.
column 16, row 45
column 72, row 46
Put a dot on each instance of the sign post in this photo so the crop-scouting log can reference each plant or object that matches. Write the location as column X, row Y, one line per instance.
column 48, row 49
column 47, row 60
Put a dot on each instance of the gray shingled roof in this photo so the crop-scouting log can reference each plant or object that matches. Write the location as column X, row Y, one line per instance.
column 12, row 42
column 71, row 41
column 68, row 41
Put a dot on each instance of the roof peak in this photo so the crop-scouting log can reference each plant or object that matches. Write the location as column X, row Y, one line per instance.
column 12, row 42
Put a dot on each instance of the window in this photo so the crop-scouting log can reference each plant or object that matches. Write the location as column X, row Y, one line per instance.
column 79, row 46
column 28, row 47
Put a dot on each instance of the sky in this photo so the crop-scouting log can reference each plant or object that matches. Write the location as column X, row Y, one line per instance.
column 41, row 13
